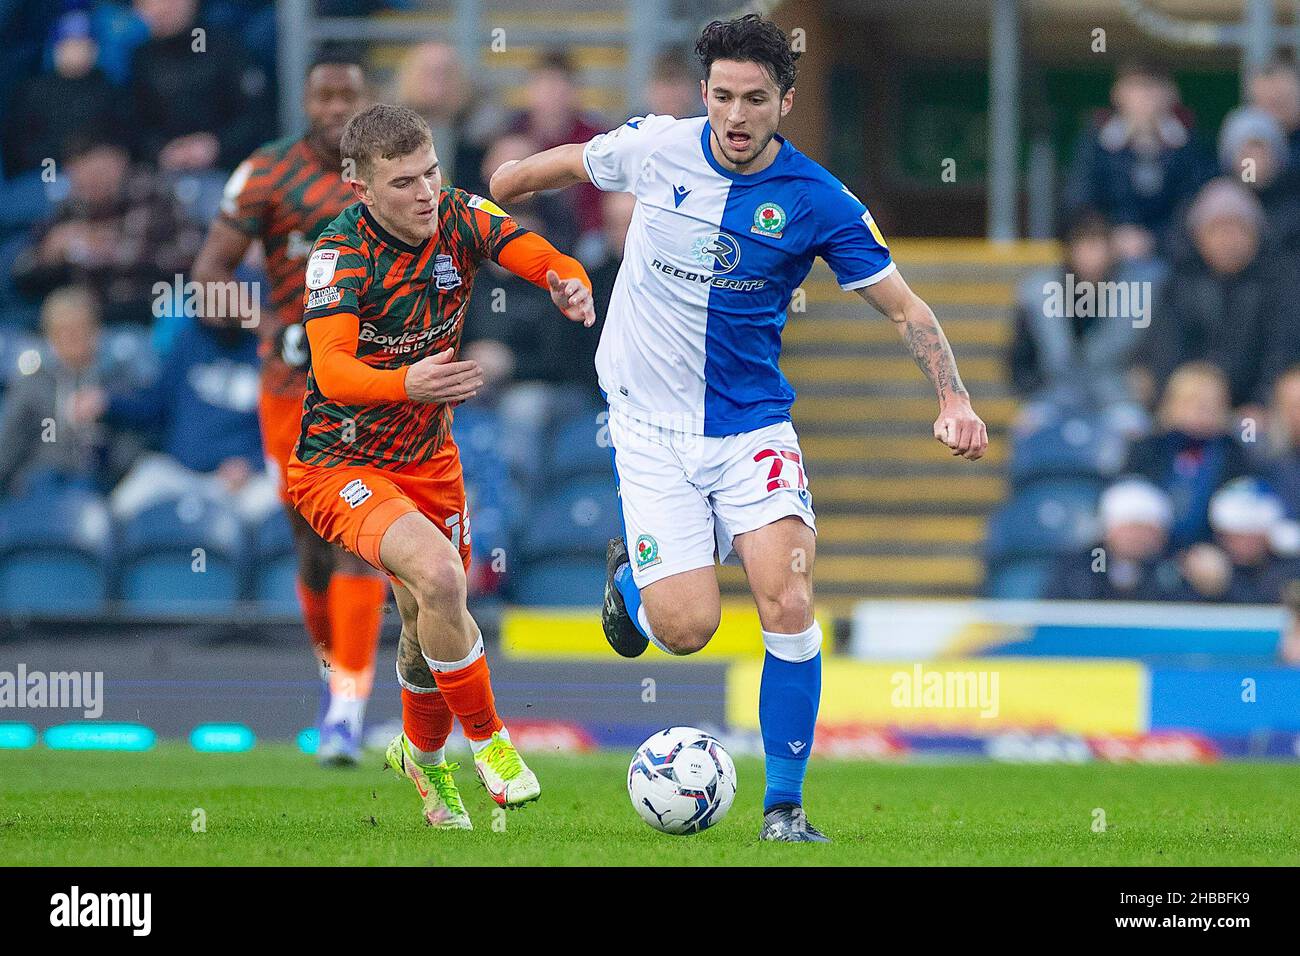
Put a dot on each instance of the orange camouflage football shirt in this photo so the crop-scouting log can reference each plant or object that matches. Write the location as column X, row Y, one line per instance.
column 284, row 194
column 411, row 303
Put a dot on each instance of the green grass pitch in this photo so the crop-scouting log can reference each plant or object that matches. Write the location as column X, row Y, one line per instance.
column 274, row 806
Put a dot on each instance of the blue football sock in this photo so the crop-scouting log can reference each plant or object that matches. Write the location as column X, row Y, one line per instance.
column 631, row 595
column 787, row 713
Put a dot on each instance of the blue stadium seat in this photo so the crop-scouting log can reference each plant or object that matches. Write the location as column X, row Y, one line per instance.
column 130, row 347
column 273, row 564
column 54, row 553
column 1044, row 520
column 576, row 521
column 1018, row 580
column 26, row 199
column 16, row 310
column 1076, row 446
column 574, row 450
column 186, row 553
column 199, row 194
column 477, row 432
column 560, row 582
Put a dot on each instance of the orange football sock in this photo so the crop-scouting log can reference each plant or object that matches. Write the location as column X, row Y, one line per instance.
column 468, row 693
column 356, row 612
column 426, row 719
column 315, row 615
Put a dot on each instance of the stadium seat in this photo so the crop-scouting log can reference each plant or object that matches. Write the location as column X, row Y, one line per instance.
column 199, row 194
column 54, row 553
column 273, row 565
column 1044, row 520
column 179, row 554
column 1021, row 580
column 1076, row 446
column 16, row 310
column 131, row 348
column 560, row 582
column 576, row 521
column 26, row 199
column 574, row 450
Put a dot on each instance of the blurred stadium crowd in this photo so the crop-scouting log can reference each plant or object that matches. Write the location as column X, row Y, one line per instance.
column 1157, row 453
column 129, row 430
column 1156, row 457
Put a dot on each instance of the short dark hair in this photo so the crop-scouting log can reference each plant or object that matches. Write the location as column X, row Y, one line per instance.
column 673, row 65
column 383, row 131
column 83, row 142
column 337, row 55
column 751, row 39
column 1088, row 223
column 556, row 60
column 1143, row 68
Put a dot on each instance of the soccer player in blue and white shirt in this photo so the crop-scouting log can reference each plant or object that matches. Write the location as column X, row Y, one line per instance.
column 728, row 220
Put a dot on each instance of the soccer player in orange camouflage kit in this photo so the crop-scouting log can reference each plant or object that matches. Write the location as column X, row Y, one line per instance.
column 284, row 194
column 375, row 468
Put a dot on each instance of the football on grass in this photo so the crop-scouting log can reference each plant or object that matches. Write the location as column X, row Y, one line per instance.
column 681, row 781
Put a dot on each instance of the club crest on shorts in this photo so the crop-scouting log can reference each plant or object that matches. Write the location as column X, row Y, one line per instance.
column 355, row 492
column 647, row 552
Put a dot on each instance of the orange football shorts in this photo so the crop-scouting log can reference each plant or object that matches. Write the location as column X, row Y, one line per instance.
column 280, row 415
column 354, row 505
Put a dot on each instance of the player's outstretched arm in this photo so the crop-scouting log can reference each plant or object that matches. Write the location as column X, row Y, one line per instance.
column 957, row 426
column 554, row 168
column 531, row 257
column 342, row 377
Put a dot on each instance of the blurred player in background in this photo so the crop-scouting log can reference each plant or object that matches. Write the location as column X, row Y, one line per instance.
column 729, row 218
column 376, row 468
column 283, row 195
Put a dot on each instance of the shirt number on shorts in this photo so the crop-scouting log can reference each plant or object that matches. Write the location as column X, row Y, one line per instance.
column 775, row 474
column 458, row 529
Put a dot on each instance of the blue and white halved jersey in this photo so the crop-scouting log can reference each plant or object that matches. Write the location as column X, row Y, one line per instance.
column 692, row 340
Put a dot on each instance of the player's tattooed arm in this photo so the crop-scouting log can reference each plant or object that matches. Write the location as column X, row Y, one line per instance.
column 957, row 426
column 915, row 322
column 411, row 664
column 931, row 352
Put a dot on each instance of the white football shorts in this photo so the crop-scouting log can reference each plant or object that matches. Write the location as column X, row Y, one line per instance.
column 684, row 497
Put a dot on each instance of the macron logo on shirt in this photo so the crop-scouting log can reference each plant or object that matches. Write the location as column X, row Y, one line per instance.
column 679, row 195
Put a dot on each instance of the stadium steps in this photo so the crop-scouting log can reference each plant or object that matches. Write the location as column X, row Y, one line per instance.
column 897, row 515
column 601, row 64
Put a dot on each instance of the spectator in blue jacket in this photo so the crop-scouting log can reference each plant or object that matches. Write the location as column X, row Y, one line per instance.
column 1195, row 450
column 203, row 408
column 74, row 99
column 1139, row 162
